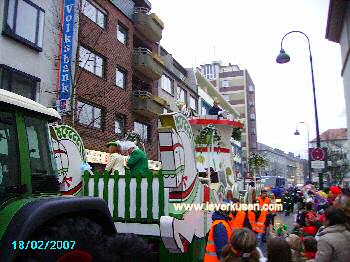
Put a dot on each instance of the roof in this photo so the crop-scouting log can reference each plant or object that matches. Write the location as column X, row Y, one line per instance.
column 333, row 134
column 336, row 15
column 26, row 103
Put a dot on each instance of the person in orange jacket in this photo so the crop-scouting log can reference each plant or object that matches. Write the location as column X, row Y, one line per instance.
column 264, row 216
column 239, row 218
column 219, row 236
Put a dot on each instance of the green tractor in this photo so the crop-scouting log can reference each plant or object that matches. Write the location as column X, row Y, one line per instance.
column 34, row 217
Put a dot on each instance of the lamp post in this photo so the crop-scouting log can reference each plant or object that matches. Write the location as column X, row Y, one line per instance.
column 283, row 58
column 296, row 133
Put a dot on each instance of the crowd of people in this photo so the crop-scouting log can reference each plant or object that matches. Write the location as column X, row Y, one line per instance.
column 321, row 231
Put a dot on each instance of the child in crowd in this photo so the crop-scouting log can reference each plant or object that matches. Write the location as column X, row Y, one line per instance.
column 310, row 248
column 242, row 247
column 296, row 246
column 278, row 250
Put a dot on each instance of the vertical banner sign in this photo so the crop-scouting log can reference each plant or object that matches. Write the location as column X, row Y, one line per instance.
column 66, row 46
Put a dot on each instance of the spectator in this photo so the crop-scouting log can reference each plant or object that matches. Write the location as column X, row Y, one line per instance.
column 310, row 247
column 242, row 247
column 334, row 240
column 296, row 246
column 301, row 218
column 278, row 250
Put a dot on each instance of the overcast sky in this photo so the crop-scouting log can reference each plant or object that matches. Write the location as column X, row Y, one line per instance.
column 248, row 33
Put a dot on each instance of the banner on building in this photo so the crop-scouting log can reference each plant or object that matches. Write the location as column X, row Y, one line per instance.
column 65, row 78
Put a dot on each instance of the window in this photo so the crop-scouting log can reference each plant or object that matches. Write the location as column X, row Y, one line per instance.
column 182, row 95
column 251, row 88
column 225, row 83
column 95, row 14
column 193, row 103
column 121, row 77
column 226, row 97
column 252, row 116
column 253, row 131
column 9, row 155
column 25, row 22
column 167, row 84
column 39, row 147
column 209, row 72
column 122, row 34
column 91, row 62
column 119, row 128
column 143, row 130
column 18, row 82
column 89, row 115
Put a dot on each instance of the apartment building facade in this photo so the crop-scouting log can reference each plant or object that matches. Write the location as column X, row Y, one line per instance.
column 283, row 164
column 238, row 89
column 118, row 72
column 338, row 31
column 29, row 48
column 177, row 84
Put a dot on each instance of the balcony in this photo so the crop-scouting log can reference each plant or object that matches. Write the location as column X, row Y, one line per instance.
column 147, row 63
column 149, row 24
column 146, row 104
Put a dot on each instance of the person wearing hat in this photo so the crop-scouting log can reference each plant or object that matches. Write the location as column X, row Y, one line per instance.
column 116, row 159
column 137, row 162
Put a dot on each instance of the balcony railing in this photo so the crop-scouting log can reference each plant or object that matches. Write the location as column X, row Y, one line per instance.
column 149, row 24
column 145, row 62
column 147, row 104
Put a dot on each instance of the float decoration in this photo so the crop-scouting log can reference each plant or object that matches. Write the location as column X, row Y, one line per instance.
column 207, row 135
column 237, row 133
column 132, row 136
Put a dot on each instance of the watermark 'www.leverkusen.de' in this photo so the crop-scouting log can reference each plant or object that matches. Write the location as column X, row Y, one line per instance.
column 227, row 207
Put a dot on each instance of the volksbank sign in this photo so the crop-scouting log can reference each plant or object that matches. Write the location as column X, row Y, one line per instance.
column 66, row 46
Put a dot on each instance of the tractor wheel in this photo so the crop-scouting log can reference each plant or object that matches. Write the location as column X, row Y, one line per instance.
column 86, row 236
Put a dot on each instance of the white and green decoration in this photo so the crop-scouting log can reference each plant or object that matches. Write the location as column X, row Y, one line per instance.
column 69, row 153
column 208, row 136
column 237, row 133
column 132, row 136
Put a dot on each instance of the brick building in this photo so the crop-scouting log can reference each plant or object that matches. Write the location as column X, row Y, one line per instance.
column 117, row 73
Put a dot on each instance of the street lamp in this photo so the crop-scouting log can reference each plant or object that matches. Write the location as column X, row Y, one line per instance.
column 283, row 58
column 296, row 133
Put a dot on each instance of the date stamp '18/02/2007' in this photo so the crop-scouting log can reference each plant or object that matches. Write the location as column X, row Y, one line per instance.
column 43, row 245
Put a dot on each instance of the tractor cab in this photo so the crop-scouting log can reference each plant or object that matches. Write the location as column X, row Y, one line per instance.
column 27, row 164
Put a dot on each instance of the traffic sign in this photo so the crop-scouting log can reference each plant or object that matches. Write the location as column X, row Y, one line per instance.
column 318, row 154
column 318, row 164
column 318, row 159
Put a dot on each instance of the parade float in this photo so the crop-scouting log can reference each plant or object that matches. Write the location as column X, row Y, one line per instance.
column 144, row 204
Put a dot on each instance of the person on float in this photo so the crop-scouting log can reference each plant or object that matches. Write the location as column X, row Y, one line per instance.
column 116, row 159
column 219, row 235
column 215, row 109
column 137, row 162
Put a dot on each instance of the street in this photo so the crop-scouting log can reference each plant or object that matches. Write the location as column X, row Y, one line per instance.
column 282, row 219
